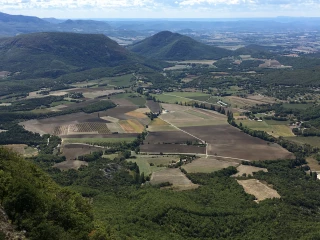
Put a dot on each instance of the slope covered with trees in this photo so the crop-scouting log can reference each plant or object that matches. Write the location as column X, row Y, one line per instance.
column 39, row 206
column 173, row 46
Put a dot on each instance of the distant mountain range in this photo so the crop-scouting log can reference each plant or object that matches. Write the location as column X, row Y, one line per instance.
column 173, row 46
column 11, row 25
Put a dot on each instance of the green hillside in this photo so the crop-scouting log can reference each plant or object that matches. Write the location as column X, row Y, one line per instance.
column 173, row 46
column 36, row 204
column 60, row 53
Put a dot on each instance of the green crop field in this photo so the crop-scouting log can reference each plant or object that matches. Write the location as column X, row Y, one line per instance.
column 269, row 127
column 159, row 163
column 170, row 99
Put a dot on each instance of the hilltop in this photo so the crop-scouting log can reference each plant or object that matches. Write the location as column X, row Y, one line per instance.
column 173, row 46
column 55, row 54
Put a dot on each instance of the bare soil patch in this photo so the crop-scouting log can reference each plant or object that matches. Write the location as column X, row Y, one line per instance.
column 208, row 165
column 258, row 189
column 119, row 112
column 73, row 151
column 174, row 176
column 227, row 141
column 70, row 164
column 169, row 137
column 172, row 149
column 122, row 135
column 153, row 106
column 245, row 169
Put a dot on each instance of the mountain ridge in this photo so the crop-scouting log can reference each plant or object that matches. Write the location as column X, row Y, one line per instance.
column 167, row 45
column 41, row 54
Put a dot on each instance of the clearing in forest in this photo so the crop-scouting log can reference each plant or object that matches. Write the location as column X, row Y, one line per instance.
column 70, row 164
column 174, row 176
column 258, row 189
column 208, row 165
column 246, row 169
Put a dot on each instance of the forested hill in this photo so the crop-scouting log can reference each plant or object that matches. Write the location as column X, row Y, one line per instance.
column 54, row 54
column 173, row 46
column 60, row 52
column 36, row 204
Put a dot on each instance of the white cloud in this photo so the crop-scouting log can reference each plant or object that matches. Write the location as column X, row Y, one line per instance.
column 74, row 3
column 163, row 8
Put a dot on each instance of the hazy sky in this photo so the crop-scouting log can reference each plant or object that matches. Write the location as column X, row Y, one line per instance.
column 161, row 8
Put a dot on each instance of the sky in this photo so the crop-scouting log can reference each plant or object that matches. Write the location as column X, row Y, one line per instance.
column 162, row 8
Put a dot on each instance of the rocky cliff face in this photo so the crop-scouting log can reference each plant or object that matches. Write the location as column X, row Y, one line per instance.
column 7, row 231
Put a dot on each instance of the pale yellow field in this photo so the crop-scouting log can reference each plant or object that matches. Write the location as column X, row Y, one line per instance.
column 131, row 126
column 137, row 114
column 158, row 122
column 258, row 189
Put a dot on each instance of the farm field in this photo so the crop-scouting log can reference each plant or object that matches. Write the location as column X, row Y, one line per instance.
column 169, row 137
column 97, row 140
column 154, row 107
column 158, row 125
column 73, row 151
column 182, row 116
column 70, row 164
column 172, row 149
column 227, row 141
column 246, row 169
column 170, row 98
column 174, row 176
column 274, row 128
column 184, row 97
column 135, row 99
column 313, row 141
column 119, row 112
column 158, row 162
column 131, row 126
column 83, row 128
column 208, row 165
column 49, row 125
column 123, row 135
column 258, row 189
column 139, row 113
column 96, row 93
